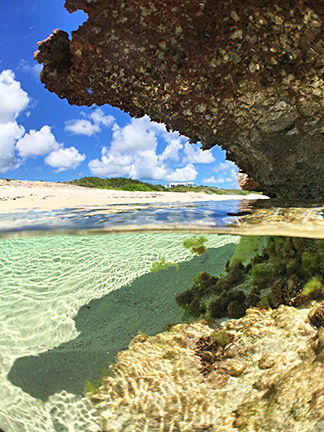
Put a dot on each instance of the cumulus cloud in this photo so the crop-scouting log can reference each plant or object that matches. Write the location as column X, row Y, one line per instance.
column 224, row 166
column 187, row 173
column 211, row 180
column 9, row 133
column 133, row 149
column 194, row 154
column 15, row 144
column 91, row 124
column 99, row 118
column 171, row 151
column 64, row 159
column 139, row 134
column 37, row 143
column 227, row 175
column 13, row 99
column 110, row 165
column 82, row 127
column 146, row 166
column 134, row 152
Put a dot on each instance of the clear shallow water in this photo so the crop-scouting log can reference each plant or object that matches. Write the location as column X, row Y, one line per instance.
column 70, row 303
column 208, row 214
column 261, row 217
column 61, row 324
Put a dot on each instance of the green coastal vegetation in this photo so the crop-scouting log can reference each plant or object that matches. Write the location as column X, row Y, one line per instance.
column 119, row 183
column 128, row 184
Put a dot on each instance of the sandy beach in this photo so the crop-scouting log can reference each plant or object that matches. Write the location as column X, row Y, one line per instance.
column 19, row 195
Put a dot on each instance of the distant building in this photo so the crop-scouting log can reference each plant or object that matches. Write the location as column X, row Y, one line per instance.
column 173, row 184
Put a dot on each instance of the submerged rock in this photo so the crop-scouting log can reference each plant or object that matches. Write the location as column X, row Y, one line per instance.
column 249, row 79
column 317, row 316
column 266, row 375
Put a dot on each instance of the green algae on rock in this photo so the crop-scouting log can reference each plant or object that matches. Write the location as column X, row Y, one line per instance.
column 288, row 270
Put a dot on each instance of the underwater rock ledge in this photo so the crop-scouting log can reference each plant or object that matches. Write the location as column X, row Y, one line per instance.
column 247, row 78
column 269, row 375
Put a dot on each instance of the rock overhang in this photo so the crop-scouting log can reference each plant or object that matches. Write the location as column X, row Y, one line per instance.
column 245, row 75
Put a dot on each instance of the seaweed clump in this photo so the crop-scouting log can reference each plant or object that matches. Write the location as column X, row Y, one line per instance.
column 288, row 271
column 217, row 292
column 297, row 270
column 162, row 264
column 196, row 245
column 211, row 349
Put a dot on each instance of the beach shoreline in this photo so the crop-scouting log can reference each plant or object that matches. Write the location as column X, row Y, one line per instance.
column 19, row 195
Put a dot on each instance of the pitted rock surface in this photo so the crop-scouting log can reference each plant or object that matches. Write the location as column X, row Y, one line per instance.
column 247, row 75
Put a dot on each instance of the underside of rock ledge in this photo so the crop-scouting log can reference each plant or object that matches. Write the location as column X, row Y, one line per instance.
column 247, row 75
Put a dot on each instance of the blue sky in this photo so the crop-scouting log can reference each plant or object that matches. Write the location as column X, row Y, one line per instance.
column 44, row 138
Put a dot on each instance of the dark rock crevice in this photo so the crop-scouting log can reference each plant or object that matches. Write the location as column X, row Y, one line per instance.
column 245, row 75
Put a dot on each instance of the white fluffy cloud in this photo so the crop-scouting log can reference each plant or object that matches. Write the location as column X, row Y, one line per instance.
column 9, row 133
column 37, row 143
column 133, row 153
column 16, row 145
column 187, row 173
column 64, row 159
column 99, row 118
column 13, row 99
column 227, row 174
column 171, row 151
column 139, row 134
column 194, row 154
column 82, row 127
column 91, row 124
column 212, row 181
column 227, row 165
column 146, row 166
column 110, row 165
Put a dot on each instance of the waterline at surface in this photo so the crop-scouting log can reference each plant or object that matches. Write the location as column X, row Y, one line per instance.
column 238, row 217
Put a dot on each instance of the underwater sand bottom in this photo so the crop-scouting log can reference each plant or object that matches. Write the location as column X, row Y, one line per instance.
column 69, row 304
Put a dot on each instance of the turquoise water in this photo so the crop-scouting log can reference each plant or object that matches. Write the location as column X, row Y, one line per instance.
column 69, row 304
column 76, row 287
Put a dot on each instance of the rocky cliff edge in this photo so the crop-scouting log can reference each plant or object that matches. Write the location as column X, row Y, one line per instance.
column 247, row 75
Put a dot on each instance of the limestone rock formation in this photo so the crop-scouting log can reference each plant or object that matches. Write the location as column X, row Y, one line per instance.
column 268, row 375
column 247, row 183
column 247, row 75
